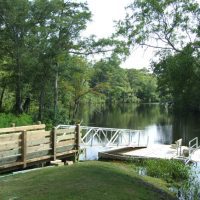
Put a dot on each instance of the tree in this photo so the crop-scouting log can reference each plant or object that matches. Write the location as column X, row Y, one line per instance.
column 163, row 24
column 14, row 26
column 143, row 84
column 116, row 85
column 57, row 33
column 171, row 27
column 179, row 78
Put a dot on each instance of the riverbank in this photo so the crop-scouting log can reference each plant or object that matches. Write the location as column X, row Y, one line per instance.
column 86, row 180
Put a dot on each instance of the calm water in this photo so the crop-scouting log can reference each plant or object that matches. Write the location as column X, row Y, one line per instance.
column 161, row 125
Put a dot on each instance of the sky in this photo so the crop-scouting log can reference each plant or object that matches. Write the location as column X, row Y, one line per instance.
column 104, row 13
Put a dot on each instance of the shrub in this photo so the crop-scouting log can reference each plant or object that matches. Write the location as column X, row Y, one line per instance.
column 169, row 170
column 7, row 119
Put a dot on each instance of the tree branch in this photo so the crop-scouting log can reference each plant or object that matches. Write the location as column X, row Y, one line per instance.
column 91, row 52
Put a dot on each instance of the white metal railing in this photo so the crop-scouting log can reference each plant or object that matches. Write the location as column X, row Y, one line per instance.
column 193, row 146
column 101, row 136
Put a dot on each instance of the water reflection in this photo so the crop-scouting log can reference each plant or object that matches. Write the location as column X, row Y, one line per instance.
column 161, row 125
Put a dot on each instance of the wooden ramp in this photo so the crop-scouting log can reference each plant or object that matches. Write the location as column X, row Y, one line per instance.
column 24, row 146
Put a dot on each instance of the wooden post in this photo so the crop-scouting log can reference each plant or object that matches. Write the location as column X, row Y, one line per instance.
column 24, row 148
column 78, row 135
column 53, row 136
column 13, row 124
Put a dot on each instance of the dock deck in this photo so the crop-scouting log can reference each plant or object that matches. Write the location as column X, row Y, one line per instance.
column 156, row 151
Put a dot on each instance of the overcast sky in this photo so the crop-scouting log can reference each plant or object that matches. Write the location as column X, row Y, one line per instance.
column 104, row 12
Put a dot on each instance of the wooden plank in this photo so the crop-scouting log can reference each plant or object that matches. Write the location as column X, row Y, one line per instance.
column 38, row 142
column 22, row 128
column 53, row 135
column 11, row 165
column 65, row 131
column 35, row 132
column 67, row 153
column 38, row 135
column 39, row 154
column 10, row 153
column 78, row 135
column 64, row 149
column 10, row 137
column 65, row 137
column 65, row 143
column 4, row 146
column 24, row 148
column 41, row 147
column 13, row 159
column 39, row 159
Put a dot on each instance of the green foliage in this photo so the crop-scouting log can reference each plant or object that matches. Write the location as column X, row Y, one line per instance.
column 179, row 78
column 171, row 22
column 43, row 58
column 190, row 189
column 124, row 85
column 143, row 84
column 43, row 66
column 169, row 170
column 7, row 119
column 174, row 26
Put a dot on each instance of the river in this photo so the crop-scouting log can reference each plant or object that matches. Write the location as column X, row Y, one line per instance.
column 157, row 120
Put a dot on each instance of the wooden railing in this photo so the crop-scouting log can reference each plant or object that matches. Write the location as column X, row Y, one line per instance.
column 25, row 145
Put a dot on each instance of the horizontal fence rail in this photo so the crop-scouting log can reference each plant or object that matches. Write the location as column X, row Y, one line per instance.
column 21, row 146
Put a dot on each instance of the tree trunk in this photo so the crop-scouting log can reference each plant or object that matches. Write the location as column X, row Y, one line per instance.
column 1, row 97
column 41, row 105
column 18, row 90
column 76, row 106
column 56, row 94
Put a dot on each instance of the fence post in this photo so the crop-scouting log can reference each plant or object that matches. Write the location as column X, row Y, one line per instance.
column 53, row 136
column 78, row 135
column 24, row 148
column 129, row 138
column 13, row 124
column 147, row 141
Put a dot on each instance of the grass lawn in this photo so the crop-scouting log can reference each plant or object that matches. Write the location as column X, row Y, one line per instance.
column 93, row 180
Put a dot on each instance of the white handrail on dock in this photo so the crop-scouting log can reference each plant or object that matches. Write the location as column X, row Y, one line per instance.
column 193, row 146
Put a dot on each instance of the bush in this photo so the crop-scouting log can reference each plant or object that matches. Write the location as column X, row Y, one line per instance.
column 169, row 170
column 7, row 119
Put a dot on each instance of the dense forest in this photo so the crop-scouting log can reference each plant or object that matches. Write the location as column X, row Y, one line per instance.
column 46, row 73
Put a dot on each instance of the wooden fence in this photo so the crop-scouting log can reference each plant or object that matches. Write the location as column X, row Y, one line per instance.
column 24, row 146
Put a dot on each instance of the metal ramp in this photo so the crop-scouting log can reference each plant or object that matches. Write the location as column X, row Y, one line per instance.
column 110, row 137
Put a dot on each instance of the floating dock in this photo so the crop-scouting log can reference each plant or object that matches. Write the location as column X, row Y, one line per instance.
column 156, row 151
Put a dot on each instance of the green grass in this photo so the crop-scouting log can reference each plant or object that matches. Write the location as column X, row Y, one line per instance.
column 92, row 180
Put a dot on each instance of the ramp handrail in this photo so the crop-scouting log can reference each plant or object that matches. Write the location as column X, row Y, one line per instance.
column 193, row 146
column 108, row 136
